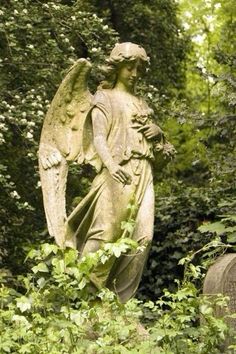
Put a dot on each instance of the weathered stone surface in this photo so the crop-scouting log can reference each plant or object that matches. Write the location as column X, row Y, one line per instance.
column 114, row 131
column 221, row 279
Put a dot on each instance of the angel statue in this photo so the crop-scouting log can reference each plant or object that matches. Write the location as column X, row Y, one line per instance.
column 114, row 131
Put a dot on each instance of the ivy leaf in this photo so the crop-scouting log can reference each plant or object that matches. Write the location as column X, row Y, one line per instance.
column 41, row 282
column 41, row 267
column 104, row 258
column 116, row 251
column 59, row 265
column 83, row 283
column 128, row 226
column 71, row 256
column 21, row 319
column 231, row 238
column 215, row 227
column 33, row 254
column 184, row 260
column 23, row 303
column 206, row 309
column 48, row 249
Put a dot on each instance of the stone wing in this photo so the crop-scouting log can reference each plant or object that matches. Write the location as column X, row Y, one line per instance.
column 61, row 142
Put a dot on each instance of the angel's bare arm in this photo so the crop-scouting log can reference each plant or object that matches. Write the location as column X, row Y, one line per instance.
column 100, row 142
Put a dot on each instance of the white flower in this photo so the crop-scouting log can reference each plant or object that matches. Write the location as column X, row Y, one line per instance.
column 30, row 46
column 211, row 79
column 25, row 11
column 40, row 113
column 186, row 26
column 31, row 124
column 56, row 7
column 105, row 27
column 94, row 50
column 15, row 195
column 16, row 12
column 149, row 95
column 188, row 14
column 3, row 127
column 217, row 6
column 23, row 121
column 66, row 40
column 73, row 18
column 29, row 135
column 209, row 18
column 199, row 38
column 38, row 184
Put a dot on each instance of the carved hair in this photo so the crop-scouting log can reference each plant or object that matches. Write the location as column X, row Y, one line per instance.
column 121, row 54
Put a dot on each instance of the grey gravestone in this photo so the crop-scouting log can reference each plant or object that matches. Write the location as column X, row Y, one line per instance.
column 221, row 279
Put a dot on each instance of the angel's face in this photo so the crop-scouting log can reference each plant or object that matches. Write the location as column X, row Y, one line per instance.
column 128, row 74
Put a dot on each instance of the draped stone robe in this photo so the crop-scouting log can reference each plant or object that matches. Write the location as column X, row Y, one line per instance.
column 97, row 218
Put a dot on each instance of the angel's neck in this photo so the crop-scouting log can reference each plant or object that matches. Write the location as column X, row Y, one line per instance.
column 120, row 86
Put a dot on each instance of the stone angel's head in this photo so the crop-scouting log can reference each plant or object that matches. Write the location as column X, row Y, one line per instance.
column 126, row 62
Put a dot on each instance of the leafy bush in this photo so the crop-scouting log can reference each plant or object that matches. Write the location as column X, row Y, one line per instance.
column 55, row 309
column 38, row 42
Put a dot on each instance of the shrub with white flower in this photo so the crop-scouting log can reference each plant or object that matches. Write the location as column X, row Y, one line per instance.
column 38, row 44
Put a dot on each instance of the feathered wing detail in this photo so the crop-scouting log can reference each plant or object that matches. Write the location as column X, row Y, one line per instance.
column 61, row 142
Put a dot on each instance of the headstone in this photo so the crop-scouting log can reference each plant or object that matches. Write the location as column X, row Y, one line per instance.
column 221, row 279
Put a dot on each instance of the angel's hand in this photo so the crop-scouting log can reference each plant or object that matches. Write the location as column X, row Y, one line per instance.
column 151, row 131
column 119, row 174
column 49, row 157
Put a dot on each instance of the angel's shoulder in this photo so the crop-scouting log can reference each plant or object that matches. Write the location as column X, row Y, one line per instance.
column 102, row 96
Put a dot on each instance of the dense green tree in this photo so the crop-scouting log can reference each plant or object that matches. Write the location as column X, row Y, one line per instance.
column 155, row 25
column 199, row 185
column 38, row 41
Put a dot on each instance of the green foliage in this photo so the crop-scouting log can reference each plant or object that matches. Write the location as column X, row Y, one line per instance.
column 55, row 309
column 38, row 42
column 211, row 27
column 199, row 185
column 154, row 25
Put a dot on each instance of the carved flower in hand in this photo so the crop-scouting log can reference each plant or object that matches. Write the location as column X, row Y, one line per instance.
column 140, row 118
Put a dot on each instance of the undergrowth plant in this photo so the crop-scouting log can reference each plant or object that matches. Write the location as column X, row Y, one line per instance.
column 55, row 309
